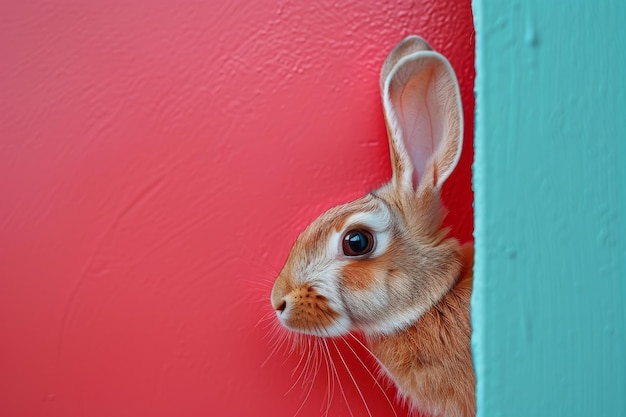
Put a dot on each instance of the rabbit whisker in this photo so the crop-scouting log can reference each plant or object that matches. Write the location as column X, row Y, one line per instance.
column 308, row 394
column 382, row 390
column 309, row 365
column 268, row 317
column 329, row 381
column 352, row 378
column 356, row 339
column 296, row 343
column 336, row 374
column 277, row 340
column 374, row 378
column 297, row 367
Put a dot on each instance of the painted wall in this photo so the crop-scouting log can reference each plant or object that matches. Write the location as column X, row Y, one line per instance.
column 156, row 163
column 549, row 303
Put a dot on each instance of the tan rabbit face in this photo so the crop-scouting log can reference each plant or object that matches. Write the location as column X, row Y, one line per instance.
column 309, row 294
column 361, row 266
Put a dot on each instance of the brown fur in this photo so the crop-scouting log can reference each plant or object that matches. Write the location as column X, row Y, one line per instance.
column 358, row 276
column 431, row 360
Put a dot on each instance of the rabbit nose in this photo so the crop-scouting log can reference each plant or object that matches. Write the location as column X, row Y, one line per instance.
column 282, row 306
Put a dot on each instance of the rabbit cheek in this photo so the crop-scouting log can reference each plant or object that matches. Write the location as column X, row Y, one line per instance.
column 358, row 277
column 364, row 292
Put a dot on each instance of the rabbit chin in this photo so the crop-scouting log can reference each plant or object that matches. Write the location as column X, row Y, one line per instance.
column 340, row 326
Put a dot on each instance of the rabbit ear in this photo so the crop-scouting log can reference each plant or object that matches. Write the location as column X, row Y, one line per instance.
column 422, row 105
column 407, row 46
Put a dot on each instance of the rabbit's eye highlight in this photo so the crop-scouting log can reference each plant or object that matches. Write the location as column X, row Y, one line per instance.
column 357, row 242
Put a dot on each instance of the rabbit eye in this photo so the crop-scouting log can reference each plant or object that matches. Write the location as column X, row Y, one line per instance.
column 357, row 242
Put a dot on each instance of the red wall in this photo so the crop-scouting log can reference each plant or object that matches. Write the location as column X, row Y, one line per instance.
column 156, row 162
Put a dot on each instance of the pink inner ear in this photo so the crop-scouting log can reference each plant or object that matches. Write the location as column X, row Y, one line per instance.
column 421, row 118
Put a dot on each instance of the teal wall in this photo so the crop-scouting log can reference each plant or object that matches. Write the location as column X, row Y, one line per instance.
column 549, row 304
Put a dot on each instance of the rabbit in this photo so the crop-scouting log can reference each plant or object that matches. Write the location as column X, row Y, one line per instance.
column 383, row 265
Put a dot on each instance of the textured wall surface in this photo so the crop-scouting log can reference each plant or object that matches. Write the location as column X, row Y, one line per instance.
column 549, row 303
column 156, row 163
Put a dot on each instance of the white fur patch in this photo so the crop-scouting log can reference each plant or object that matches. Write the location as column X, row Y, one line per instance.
column 339, row 327
column 399, row 321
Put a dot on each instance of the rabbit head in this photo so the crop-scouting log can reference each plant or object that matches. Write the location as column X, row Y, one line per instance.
column 378, row 263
